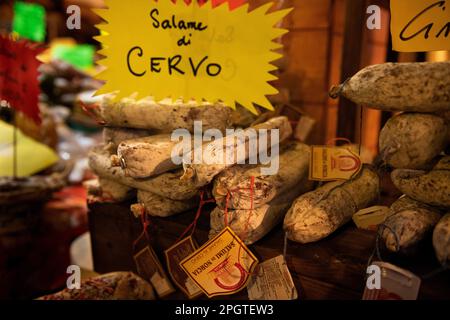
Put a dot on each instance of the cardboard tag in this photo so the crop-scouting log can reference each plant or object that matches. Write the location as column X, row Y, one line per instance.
column 272, row 281
column 174, row 255
column 371, row 217
column 222, row 266
column 420, row 25
column 203, row 52
column 333, row 163
column 396, row 284
column 304, row 128
column 149, row 268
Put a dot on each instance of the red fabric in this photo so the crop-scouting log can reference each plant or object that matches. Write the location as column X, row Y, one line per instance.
column 19, row 76
column 232, row 3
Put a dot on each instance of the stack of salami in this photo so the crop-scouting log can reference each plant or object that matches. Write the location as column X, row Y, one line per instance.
column 252, row 203
column 135, row 159
column 250, row 200
column 413, row 143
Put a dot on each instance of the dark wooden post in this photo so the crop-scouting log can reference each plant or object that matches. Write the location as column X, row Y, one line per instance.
column 355, row 23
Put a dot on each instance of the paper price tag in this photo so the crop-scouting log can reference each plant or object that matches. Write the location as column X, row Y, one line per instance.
column 395, row 284
column 149, row 268
column 272, row 281
column 370, row 218
column 222, row 266
column 304, row 127
column 333, row 163
column 174, row 255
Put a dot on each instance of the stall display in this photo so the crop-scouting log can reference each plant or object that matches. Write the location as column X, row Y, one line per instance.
column 252, row 204
column 413, row 143
column 139, row 149
column 205, row 158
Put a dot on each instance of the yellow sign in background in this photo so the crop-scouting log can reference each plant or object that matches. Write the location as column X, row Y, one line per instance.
column 420, row 25
column 32, row 156
column 196, row 52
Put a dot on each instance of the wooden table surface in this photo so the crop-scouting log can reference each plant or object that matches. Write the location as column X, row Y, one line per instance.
column 333, row 268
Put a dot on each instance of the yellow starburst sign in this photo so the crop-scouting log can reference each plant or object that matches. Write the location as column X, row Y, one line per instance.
column 165, row 49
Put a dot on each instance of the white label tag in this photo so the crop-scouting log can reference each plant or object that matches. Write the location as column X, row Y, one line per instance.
column 304, row 127
column 272, row 281
column 149, row 268
column 394, row 283
column 191, row 287
column 161, row 285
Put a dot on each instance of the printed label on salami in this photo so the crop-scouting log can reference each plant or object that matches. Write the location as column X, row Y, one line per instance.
column 222, row 266
column 272, row 281
column 333, row 163
column 370, row 218
column 176, row 254
column 149, row 268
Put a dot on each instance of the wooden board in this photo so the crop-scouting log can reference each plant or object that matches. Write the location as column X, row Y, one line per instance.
column 333, row 268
